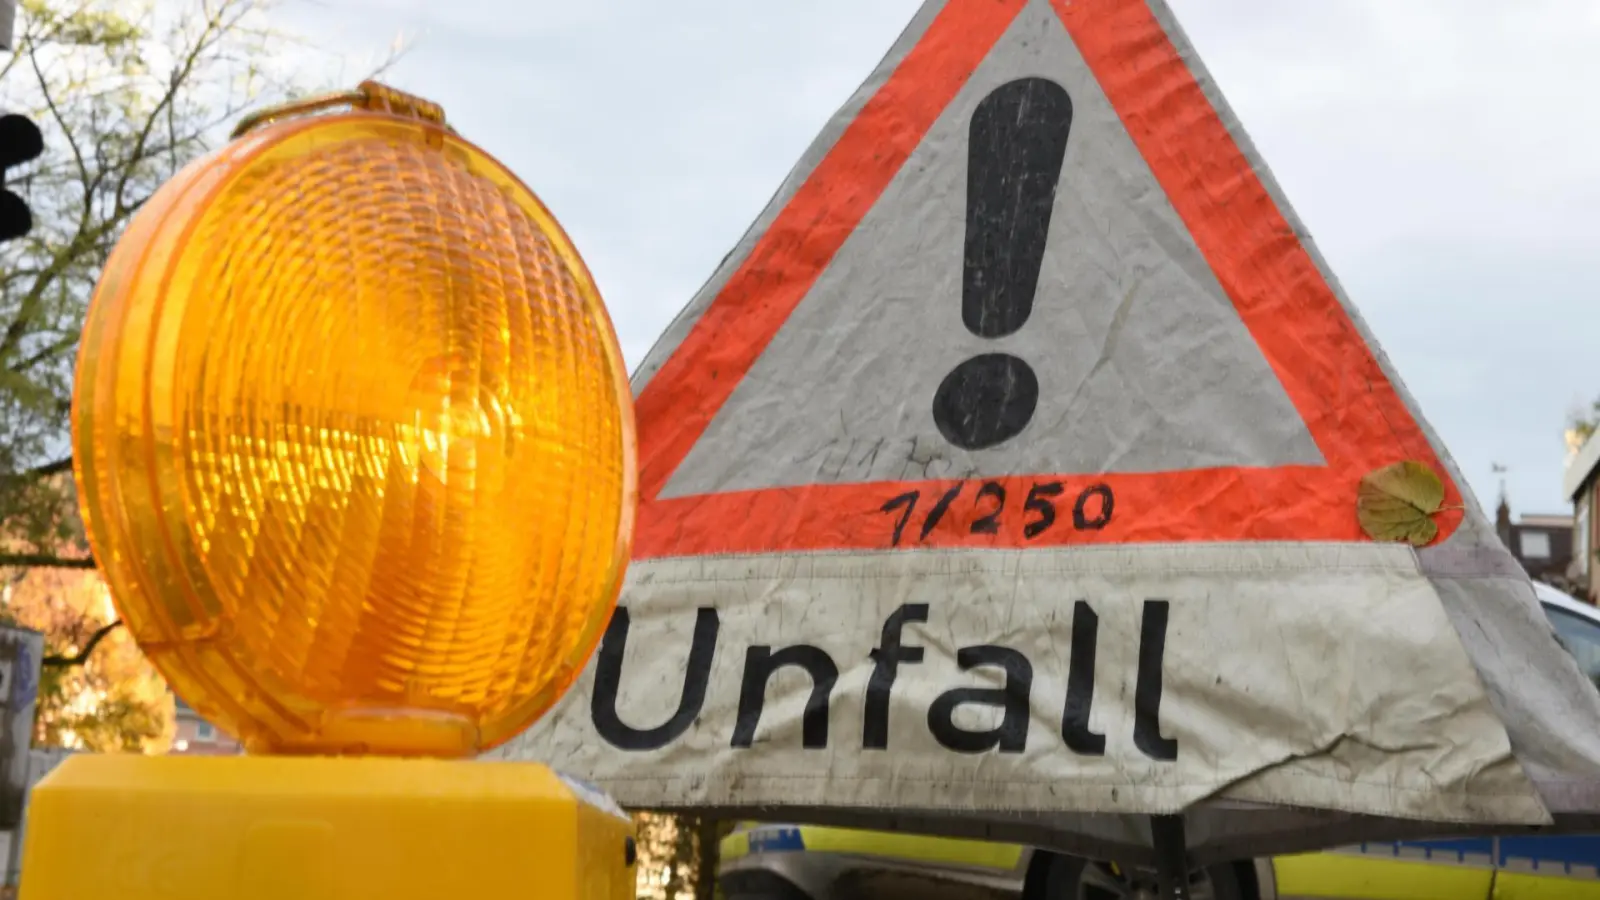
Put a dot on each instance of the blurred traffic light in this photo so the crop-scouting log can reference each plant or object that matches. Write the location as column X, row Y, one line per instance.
column 20, row 142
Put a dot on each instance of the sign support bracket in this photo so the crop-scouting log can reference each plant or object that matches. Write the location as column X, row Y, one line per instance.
column 1171, row 857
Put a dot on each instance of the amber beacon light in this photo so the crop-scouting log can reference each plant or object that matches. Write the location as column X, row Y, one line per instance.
column 354, row 438
column 355, row 453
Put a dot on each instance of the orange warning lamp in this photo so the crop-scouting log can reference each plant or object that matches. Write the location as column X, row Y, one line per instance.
column 355, row 453
column 354, row 440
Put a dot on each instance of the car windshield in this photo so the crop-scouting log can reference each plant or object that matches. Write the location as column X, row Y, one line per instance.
column 1580, row 636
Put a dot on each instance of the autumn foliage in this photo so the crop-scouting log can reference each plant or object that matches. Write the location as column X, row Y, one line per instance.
column 113, row 700
column 678, row 856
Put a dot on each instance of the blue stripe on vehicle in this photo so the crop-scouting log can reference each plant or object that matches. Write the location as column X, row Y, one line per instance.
column 1458, row 851
column 1567, row 855
column 775, row 840
column 1553, row 853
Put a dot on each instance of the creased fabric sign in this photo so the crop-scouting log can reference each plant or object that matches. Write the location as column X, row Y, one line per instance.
column 1003, row 481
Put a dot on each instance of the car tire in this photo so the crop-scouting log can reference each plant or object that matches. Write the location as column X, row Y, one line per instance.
column 1052, row 876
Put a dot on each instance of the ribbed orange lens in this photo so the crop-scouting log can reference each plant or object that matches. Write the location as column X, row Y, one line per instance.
column 355, row 442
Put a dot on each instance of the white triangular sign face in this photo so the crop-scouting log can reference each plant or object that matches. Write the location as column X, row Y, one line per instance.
column 1076, row 270
column 1006, row 475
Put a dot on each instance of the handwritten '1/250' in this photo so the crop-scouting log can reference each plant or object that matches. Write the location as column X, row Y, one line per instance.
column 1039, row 505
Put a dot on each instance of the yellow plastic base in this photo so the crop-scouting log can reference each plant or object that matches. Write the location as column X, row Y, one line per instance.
column 124, row 827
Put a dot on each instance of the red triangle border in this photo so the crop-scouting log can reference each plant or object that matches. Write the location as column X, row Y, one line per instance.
column 1351, row 409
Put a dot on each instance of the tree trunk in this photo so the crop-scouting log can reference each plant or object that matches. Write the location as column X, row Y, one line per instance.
column 708, row 838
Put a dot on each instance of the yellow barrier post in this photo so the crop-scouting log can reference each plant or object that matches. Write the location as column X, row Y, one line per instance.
column 354, row 449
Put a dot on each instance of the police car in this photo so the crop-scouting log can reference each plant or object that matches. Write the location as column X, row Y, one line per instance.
column 803, row 862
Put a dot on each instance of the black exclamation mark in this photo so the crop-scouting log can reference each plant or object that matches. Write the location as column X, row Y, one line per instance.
column 1018, row 141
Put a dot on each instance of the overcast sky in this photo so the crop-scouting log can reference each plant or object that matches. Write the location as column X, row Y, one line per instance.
column 1442, row 152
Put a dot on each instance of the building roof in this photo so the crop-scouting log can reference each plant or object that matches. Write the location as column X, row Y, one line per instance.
column 1547, row 520
column 1582, row 466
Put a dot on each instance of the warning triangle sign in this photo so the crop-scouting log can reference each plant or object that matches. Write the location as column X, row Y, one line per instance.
column 1006, row 308
column 1003, row 481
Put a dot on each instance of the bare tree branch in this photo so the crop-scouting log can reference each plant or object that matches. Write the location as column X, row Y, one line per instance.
column 55, row 467
column 46, row 353
column 180, row 78
column 82, row 656
column 47, row 561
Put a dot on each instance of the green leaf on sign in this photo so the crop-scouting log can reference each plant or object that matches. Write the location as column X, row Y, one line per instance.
column 1398, row 503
